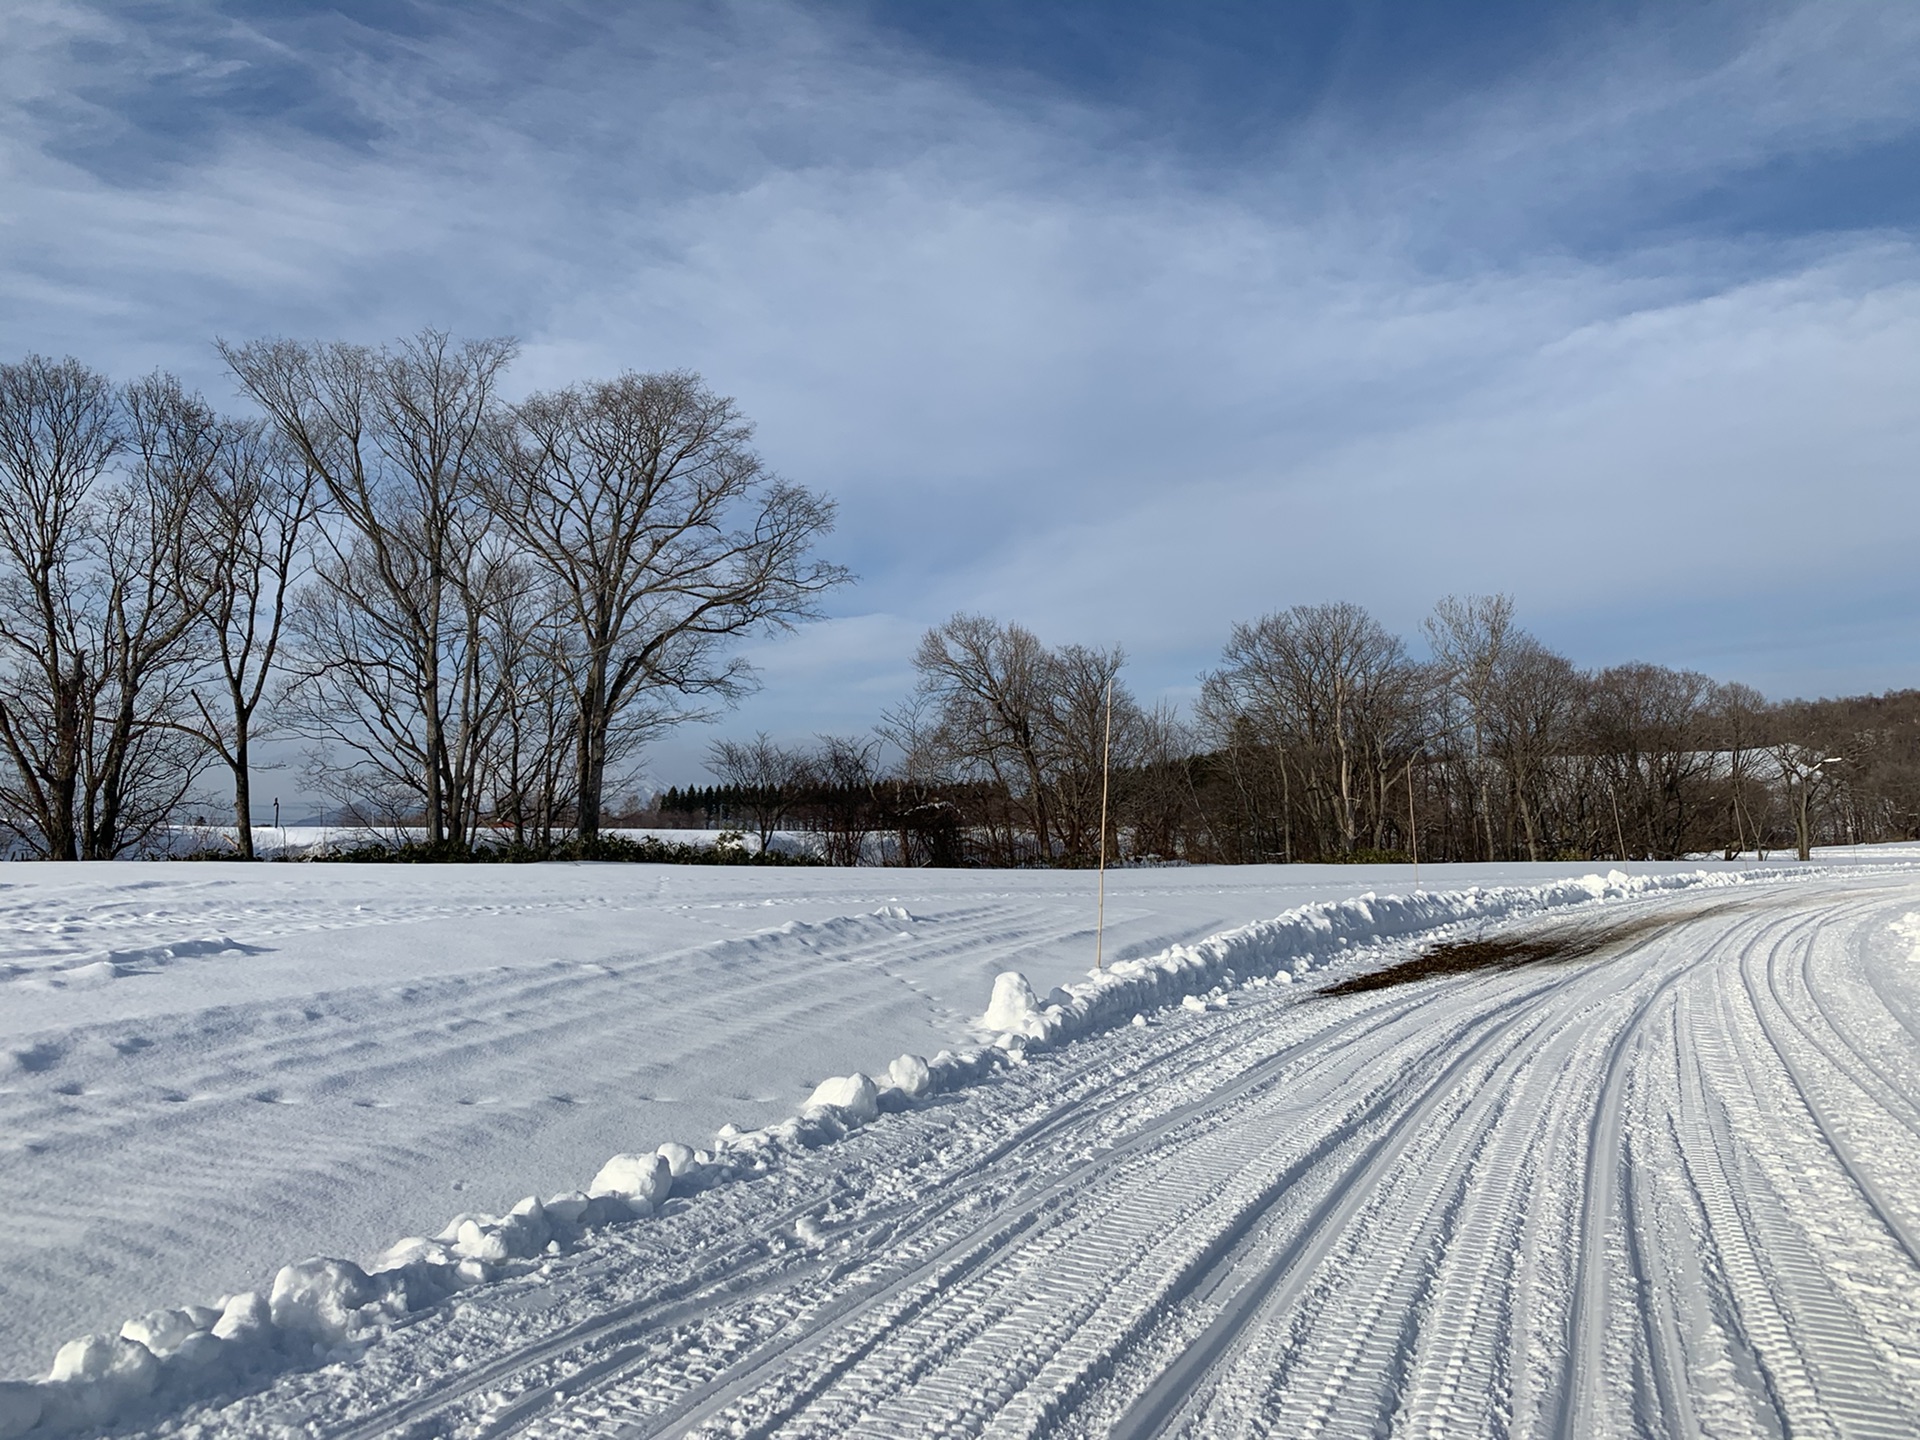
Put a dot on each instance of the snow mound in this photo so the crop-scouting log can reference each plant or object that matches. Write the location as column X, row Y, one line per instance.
column 316, row 1299
column 856, row 1094
column 643, row 1181
column 680, row 1159
column 165, row 1331
column 911, row 1076
column 1015, row 1009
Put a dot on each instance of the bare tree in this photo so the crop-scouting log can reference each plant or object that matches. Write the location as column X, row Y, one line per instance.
column 1074, row 742
column 1018, row 734
column 992, row 688
column 1328, row 684
column 155, row 580
column 1157, row 794
column 925, row 821
column 255, row 519
column 1647, row 726
column 1529, row 707
column 844, row 810
column 400, row 438
column 1249, row 749
column 59, row 431
column 102, row 584
column 1809, row 766
column 1739, row 717
column 1469, row 636
column 665, row 538
column 532, row 760
column 357, row 691
column 768, row 778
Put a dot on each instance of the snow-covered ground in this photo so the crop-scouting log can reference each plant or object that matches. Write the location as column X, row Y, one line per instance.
column 1250, row 1205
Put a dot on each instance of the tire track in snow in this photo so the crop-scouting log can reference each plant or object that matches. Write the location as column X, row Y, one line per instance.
column 1764, row 988
column 1757, row 1316
column 1281, row 1281
column 1806, row 1341
column 1437, row 1231
column 1580, row 1410
column 1803, row 1004
column 1139, row 1162
column 1085, row 1111
column 1810, row 1234
column 1459, row 1375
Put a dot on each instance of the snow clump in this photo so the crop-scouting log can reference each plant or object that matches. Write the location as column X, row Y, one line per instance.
column 856, row 1094
column 1015, row 1009
column 317, row 1299
column 911, row 1076
column 643, row 1181
column 165, row 1331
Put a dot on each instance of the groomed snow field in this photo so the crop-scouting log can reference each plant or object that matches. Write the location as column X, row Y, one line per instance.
column 636, row 1150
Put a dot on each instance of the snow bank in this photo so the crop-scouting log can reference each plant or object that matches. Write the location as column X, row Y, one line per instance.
column 327, row 1308
column 1302, row 940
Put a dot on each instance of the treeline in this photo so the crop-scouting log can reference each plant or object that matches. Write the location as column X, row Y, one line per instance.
column 476, row 613
column 473, row 611
column 1320, row 737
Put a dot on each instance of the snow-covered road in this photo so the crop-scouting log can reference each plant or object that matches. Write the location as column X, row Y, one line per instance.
column 209, row 1070
column 1669, row 1188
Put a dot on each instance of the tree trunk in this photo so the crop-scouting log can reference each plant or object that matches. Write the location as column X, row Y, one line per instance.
column 591, row 771
column 1526, row 820
column 63, row 843
column 242, row 789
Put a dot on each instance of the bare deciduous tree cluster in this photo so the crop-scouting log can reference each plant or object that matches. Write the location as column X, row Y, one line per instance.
column 1324, row 739
column 1320, row 737
column 474, row 610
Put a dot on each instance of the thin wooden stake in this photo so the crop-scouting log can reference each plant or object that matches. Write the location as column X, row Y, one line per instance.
column 1106, row 768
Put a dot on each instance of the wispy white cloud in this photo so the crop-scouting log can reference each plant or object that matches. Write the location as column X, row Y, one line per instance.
column 1052, row 368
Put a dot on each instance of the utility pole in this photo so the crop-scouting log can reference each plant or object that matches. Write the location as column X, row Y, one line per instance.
column 1106, row 769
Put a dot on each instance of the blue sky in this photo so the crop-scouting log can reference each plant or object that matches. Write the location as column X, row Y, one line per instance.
column 1124, row 321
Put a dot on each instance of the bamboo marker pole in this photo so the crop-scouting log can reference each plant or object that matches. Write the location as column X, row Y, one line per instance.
column 1106, row 768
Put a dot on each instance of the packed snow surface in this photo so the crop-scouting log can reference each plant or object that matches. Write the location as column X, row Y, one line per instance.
column 1672, row 1186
